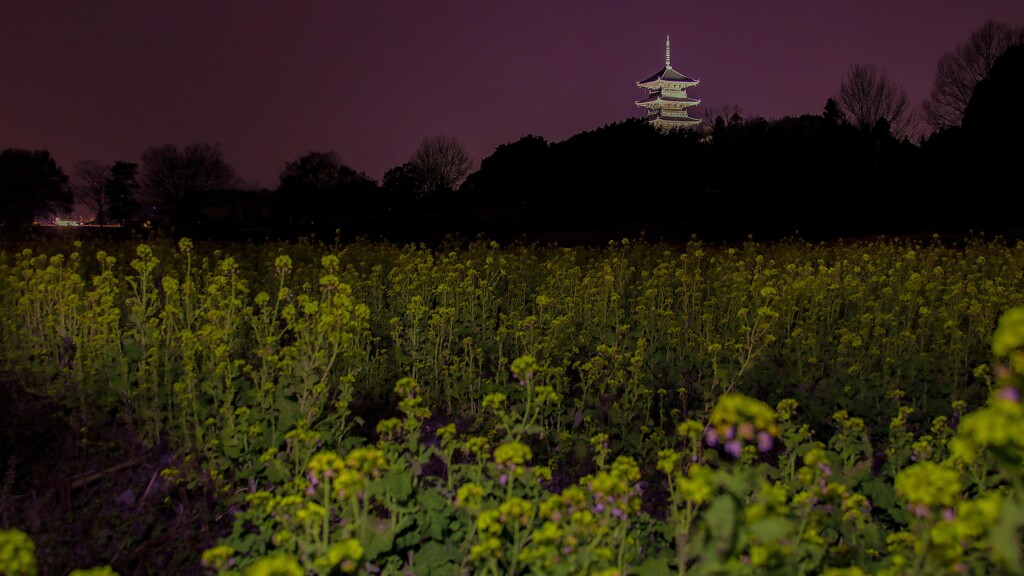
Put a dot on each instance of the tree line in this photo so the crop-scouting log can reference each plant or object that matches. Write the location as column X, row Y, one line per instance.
column 850, row 169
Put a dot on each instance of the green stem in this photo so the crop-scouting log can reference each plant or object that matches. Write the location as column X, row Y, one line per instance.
column 325, row 528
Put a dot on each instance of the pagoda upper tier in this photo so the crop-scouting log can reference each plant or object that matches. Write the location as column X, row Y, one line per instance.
column 666, row 102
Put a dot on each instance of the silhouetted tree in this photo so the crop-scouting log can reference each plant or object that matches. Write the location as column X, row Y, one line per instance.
column 832, row 114
column 813, row 174
column 611, row 182
column 990, row 112
column 960, row 70
column 516, row 174
column 867, row 94
column 975, row 165
column 402, row 185
column 316, row 170
column 604, row 178
column 121, row 190
column 318, row 192
column 443, row 161
column 31, row 184
column 992, row 137
column 179, row 180
column 89, row 186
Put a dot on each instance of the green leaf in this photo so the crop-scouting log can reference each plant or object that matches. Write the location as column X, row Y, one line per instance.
column 721, row 517
column 881, row 493
column 232, row 449
column 407, row 533
column 276, row 471
column 287, row 413
column 377, row 543
column 404, row 359
column 768, row 530
column 458, row 530
column 433, row 500
column 861, row 471
column 654, row 566
column 133, row 352
column 1006, row 538
column 433, row 558
column 398, row 484
column 350, row 442
column 736, row 484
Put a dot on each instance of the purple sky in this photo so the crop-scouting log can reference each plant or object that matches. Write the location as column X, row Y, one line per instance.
column 271, row 80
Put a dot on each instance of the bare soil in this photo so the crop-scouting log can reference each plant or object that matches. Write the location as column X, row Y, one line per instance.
column 91, row 498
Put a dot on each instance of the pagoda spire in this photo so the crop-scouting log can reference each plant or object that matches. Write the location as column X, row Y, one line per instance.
column 667, row 53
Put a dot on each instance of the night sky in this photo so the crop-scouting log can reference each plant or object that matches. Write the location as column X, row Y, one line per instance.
column 271, row 80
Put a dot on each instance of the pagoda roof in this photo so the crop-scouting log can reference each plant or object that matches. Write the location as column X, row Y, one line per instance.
column 668, row 74
column 658, row 96
column 682, row 115
column 657, row 119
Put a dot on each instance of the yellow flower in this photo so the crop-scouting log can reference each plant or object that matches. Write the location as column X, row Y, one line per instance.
column 17, row 554
column 927, row 485
column 345, row 555
column 697, row 486
column 367, row 461
column 491, row 547
column 325, row 464
column 489, row 522
column 276, row 565
column 496, row 402
column 667, row 460
column 217, row 558
column 469, row 495
column 477, row 446
column 525, row 367
column 1009, row 334
column 548, row 533
column 512, row 455
column 516, row 510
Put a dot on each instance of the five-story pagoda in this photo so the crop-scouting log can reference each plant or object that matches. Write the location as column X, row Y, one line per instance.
column 666, row 101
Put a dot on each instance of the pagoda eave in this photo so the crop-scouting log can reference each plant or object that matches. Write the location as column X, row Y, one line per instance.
column 668, row 100
column 674, row 123
column 670, row 85
column 667, row 74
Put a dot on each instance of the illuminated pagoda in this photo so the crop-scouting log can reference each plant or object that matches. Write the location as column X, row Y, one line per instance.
column 666, row 101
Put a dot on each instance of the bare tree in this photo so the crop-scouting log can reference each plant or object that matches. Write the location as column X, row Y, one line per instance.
column 729, row 113
column 867, row 95
column 121, row 190
column 179, row 180
column 960, row 71
column 443, row 163
column 90, row 187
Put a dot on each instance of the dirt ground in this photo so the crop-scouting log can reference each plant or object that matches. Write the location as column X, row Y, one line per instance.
column 91, row 498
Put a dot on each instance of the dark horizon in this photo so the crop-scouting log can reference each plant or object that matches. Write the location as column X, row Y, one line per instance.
column 270, row 82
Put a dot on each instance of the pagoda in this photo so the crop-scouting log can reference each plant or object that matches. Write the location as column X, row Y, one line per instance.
column 666, row 101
